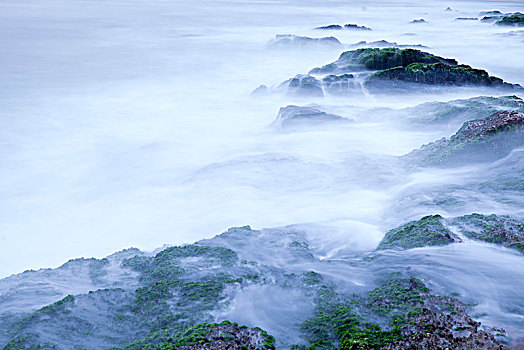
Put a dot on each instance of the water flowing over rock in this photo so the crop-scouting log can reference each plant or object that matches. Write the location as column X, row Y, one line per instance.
column 283, row 41
column 481, row 140
column 292, row 116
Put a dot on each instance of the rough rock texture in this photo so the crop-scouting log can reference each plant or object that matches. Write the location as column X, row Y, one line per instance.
column 283, row 41
column 516, row 19
column 463, row 110
column 356, row 27
column 415, row 319
column 303, row 85
column 428, row 231
column 307, row 85
column 331, row 27
column 480, row 140
column 383, row 44
column 502, row 230
column 346, row 26
column 433, row 74
column 440, row 329
column 343, row 84
column 225, row 335
column 296, row 116
column 378, row 59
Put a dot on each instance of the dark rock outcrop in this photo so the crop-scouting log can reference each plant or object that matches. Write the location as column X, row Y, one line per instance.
column 411, row 318
column 219, row 336
column 421, row 20
column 303, row 85
column 331, row 27
column 355, row 27
column 383, row 44
column 290, row 116
column 283, row 41
column 490, row 13
column 433, row 74
column 341, row 85
column 460, row 111
column 516, row 19
column 349, row 26
column 502, row 230
column 378, row 59
column 481, row 140
column 427, row 231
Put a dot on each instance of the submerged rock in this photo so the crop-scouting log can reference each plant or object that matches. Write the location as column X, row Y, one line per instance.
column 262, row 90
column 427, row 231
column 481, row 140
column 459, row 111
column 422, row 20
column 383, row 44
column 343, row 84
column 490, row 13
column 434, row 230
column 409, row 317
column 501, row 230
column 378, row 59
column 283, row 41
column 218, row 336
column 491, row 19
column 396, row 70
column 271, row 276
column 291, row 116
column 302, row 85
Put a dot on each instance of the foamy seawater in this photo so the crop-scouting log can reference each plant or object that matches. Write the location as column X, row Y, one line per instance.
column 130, row 124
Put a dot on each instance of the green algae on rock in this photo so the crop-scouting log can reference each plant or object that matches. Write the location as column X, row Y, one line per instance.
column 502, row 230
column 378, row 59
column 428, row 231
column 225, row 335
column 480, row 140
column 433, row 74
column 516, row 19
column 463, row 110
column 409, row 316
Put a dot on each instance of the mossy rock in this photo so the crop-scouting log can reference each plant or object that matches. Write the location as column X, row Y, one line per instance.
column 516, row 19
column 481, row 140
column 501, row 230
column 428, row 231
column 463, row 110
column 379, row 59
column 408, row 315
column 433, row 74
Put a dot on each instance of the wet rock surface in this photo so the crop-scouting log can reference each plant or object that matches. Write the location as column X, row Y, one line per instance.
column 283, row 41
column 378, row 59
column 502, row 230
column 225, row 335
column 349, row 26
column 291, row 116
column 428, row 231
column 479, row 140
column 302, row 85
column 412, row 318
column 433, row 74
column 516, row 19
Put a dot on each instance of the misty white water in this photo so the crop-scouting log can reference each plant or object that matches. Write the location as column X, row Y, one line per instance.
column 129, row 123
